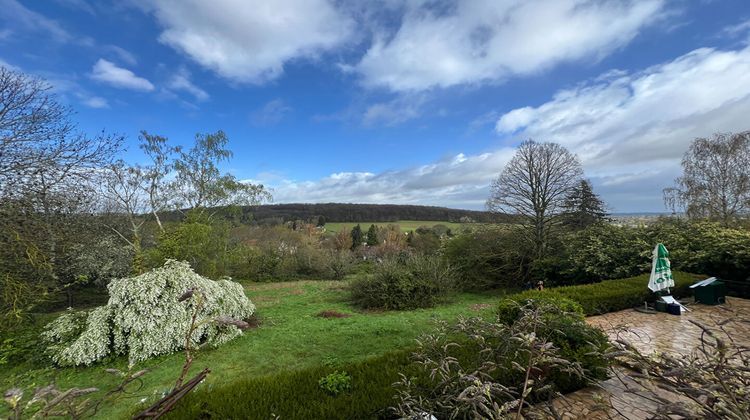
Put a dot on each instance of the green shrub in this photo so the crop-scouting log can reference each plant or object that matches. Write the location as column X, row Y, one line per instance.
column 336, row 382
column 611, row 295
column 488, row 257
column 509, row 309
column 418, row 282
column 564, row 325
column 477, row 367
column 202, row 242
column 605, row 251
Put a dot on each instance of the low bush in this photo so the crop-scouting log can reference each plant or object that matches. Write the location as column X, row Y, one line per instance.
column 564, row 325
column 335, row 383
column 612, row 295
column 417, row 282
column 487, row 369
column 509, row 309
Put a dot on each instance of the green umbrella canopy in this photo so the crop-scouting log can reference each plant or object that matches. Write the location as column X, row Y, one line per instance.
column 661, row 271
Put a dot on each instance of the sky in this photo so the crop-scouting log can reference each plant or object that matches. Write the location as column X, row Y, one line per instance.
column 407, row 102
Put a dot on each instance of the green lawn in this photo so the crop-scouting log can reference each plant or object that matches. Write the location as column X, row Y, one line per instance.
column 290, row 337
column 405, row 225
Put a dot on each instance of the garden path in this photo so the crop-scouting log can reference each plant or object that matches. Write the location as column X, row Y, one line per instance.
column 659, row 332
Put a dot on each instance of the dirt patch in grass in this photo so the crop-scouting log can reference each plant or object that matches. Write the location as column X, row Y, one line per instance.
column 477, row 307
column 253, row 322
column 333, row 314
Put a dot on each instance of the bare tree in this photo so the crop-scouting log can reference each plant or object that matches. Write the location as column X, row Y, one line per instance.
column 159, row 188
column 200, row 182
column 46, row 167
column 534, row 186
column 716, row 179
column 123, row 188
column 39, row 147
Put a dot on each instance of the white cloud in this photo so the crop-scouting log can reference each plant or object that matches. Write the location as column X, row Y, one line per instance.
column 9, row 66
column 17, row 15
column 107, row 72
column 122, row 54
column 478, row 41
column 739, row 29
column 181, row 81
column 96, row 102
column 396, row 111
column 631, row 130
column 81, row 5
column 251, row 42
column 646, row 116
column 270, row 114
column 459, row 181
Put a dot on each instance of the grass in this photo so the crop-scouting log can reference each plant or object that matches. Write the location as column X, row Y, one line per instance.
column 291, row 337
column 405, row 225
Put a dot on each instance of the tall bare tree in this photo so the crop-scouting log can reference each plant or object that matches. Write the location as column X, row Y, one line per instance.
column 159, row 188
column 123, row 190
column 715, row 183
column 39, row 147
column 534, row 186
column 46, row 167
column 201, row 184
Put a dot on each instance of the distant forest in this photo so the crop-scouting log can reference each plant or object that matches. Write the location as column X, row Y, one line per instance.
column 341, row 212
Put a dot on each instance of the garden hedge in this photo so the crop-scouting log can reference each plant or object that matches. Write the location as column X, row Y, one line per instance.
column 298, row 394
column 614, row 295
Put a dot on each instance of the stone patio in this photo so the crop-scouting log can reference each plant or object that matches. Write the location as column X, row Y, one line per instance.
column 648, row 332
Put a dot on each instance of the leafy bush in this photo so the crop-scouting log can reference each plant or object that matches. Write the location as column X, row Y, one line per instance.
column 418, row 282
column 509, row 309
column 336, row 382
column 488, row 258
column 562, row 324
column 144, row 318
column 101, row 262
column 202, row 242
column 487, row 369
column 339, row 264
column 605, row 251
column 611, row 295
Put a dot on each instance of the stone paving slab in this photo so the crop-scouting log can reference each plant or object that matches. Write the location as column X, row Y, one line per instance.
column 659, row 332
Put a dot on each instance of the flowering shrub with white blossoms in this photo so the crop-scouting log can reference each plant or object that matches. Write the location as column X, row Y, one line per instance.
column 143, row 317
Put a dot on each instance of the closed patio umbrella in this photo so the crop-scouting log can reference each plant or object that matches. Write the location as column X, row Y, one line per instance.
column 661, row 272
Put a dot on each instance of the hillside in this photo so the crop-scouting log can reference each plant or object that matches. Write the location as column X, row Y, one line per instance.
column 345, row 212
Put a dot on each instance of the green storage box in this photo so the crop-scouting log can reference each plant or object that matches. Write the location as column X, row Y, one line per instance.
column 713, row 293
column 660, row 306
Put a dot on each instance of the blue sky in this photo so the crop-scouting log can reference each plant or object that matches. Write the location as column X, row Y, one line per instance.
column 418, row 102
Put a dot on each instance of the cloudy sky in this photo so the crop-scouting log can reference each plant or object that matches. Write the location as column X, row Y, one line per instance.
column 399, row 101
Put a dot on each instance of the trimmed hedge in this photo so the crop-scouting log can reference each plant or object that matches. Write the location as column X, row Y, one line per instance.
column 298, row 395
column 614, row 295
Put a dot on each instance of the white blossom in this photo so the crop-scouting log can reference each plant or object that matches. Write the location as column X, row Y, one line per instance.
column 143, row 317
